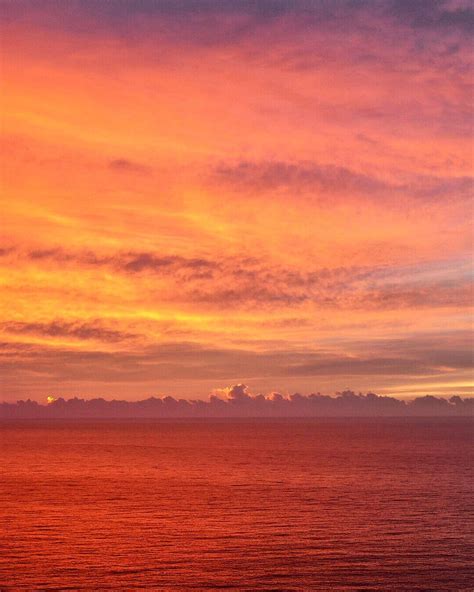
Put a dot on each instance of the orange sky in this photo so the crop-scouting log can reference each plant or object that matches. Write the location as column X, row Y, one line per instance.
column 197, row 194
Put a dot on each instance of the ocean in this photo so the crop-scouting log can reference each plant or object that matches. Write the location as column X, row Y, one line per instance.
column 366, row 504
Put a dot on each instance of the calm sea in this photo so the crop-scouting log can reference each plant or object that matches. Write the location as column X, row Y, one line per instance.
column 277, row 505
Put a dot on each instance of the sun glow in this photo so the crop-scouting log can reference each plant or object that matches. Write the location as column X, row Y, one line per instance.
column 232, row 211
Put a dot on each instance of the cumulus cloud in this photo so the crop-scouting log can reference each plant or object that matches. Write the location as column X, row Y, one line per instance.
column 241, row 403
column 238, row 392
column 353, row 103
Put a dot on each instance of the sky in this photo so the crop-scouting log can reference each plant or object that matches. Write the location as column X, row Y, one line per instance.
column 202, row 193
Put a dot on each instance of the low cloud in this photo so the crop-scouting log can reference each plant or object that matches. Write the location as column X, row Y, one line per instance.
column 237, row 401
column 191, row 361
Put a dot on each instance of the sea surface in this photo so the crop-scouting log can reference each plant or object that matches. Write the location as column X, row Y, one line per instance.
column 379, row 504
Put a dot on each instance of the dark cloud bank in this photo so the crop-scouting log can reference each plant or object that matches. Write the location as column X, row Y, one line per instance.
column 238, row 402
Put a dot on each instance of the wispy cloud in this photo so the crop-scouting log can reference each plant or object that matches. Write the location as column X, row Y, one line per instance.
column 309, row 178
column 214, row 191
column 74, row 330
column 128, row 166
column 254, row 282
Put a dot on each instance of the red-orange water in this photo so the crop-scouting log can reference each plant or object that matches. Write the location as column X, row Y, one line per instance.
column 290, row 505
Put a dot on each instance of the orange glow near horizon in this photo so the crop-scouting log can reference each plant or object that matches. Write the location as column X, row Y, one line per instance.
column 288, row 206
